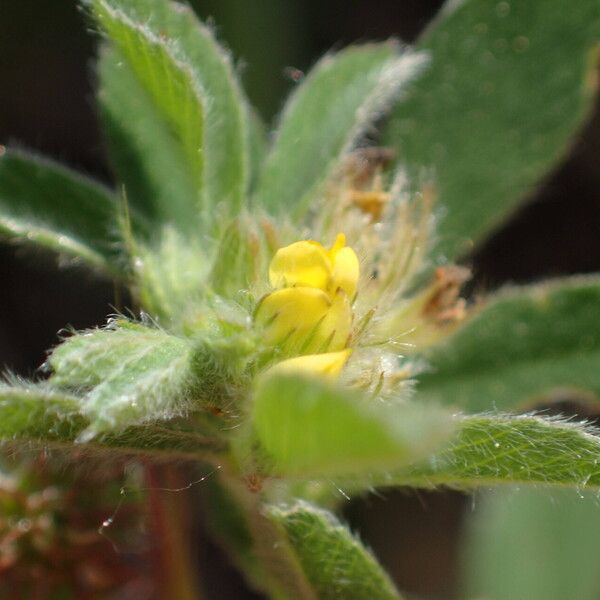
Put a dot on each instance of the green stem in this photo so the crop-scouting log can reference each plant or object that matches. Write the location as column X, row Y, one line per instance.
column 275, row 568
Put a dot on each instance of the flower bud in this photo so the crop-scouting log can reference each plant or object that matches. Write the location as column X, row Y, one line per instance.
column 310, row 311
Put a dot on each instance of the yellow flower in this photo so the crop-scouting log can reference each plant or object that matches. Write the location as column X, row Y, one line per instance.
column 329, row 364
column 301, row 264
column 309, row 264
column 303, row 319
column 310, row 311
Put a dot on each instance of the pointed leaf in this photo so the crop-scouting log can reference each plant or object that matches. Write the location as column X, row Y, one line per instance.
column 49, row 205
column 148, row 159
column 521, row 347
column 324, row 118
column 334, row 562
column 309, row 428
column 509, row 86
column 494, row 450
column 534, row 544
column 171, row 84
column 226, row 134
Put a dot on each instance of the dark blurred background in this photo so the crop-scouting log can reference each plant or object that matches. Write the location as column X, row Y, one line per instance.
column 47, row 105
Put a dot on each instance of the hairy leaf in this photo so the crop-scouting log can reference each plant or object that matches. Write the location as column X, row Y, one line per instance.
column 132, row 373
column 40, row 414
column 174, row 89
column 325, row 117
column 29, row 412
column 240, row 259
column 129, row 374
column 159, row 441
column 534, row 544
column 148, row 159
column 49, row 205
column 308, row 428
column 171, row 276
column 334, row 562
column 493, row 450
column 227, row 130
column 522, row 346
column 510, row 84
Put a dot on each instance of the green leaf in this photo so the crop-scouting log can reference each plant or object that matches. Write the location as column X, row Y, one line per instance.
column 493, row 450
column 158, row 441
column 41, row 414
column 519, row 348
column 266, row 57
column 240, row 259
column 325, row 117
column 534, row 544
column 49, row 205
column 29, row 412
column 130, row 373
column 173, row 87
column 147, row 158
column 225, row 142
column 334, row 562
column 308, row 428
column 171, row 276
column 509, row 86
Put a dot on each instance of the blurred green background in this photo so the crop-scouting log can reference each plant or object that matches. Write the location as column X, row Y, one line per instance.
column 47, row 104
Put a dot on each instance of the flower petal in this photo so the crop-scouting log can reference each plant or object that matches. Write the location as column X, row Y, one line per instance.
column 329, row 364
column 340, row 242
column 346, row 271
column 301, row 264
column 291, row 316
column 334, row 330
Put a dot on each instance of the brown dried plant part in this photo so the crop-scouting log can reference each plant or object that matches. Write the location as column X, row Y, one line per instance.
column 363, row 164
column 371, row 202
column 363, row 177
column 356, row 190
column 428, row 317
column 444, row 304
column 52, row 539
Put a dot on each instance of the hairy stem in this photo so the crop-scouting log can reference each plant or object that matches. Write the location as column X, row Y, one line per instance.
column 276, row 569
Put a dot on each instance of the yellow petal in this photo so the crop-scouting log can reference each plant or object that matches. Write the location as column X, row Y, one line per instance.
column 329, row 364
column 301, row 264
column 340, row 242
column 333, row 331
column 346, row 271
column 291, row 316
